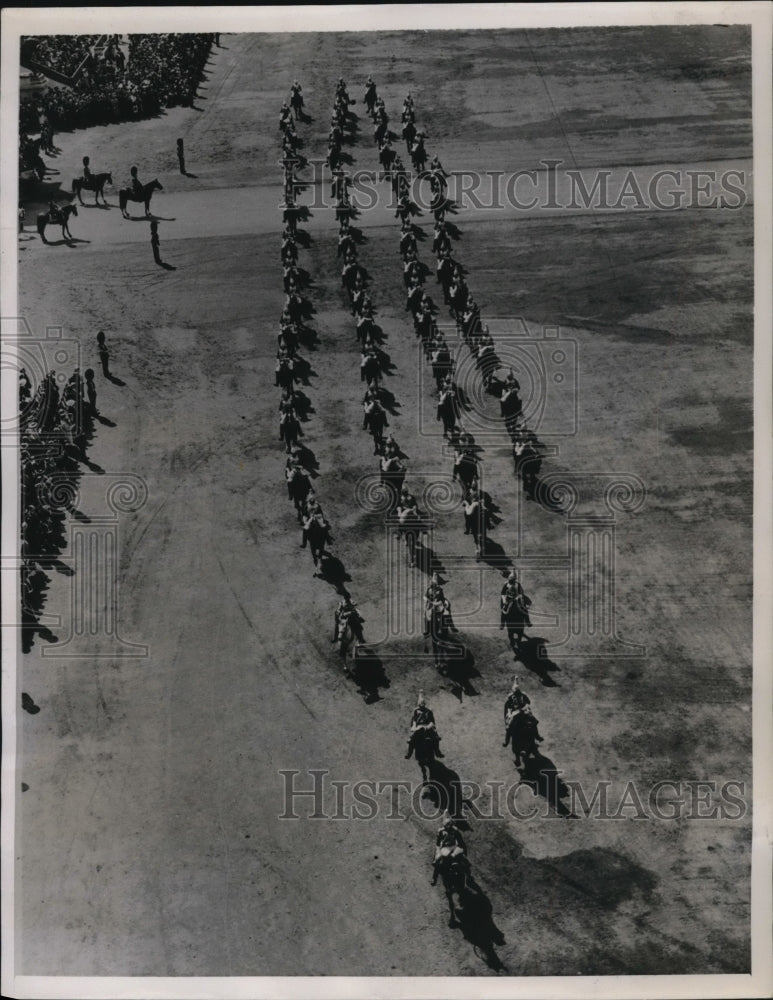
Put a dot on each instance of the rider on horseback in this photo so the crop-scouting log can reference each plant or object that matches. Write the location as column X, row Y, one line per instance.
column 54, row 212
column 449, row 843
column 515, row 702
column 346, row 614
column 137, row 189
column 434, row 592
column 423, row 722
column 87, row 175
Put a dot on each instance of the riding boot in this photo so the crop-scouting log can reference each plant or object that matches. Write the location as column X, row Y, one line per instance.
column 410, row 750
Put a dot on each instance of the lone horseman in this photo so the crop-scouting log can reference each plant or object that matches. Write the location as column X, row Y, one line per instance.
column 449, row 844
column 423, row 724
column 88, row 177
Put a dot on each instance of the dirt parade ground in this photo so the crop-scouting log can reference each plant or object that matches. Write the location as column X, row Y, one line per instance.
column 183, row 667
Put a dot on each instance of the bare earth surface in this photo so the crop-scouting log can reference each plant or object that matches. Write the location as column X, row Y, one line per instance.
column 149, row 841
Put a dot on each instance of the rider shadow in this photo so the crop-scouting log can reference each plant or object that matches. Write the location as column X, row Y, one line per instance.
column 533, row 654
column 494, row 555
column 427, row 560
column 478, row 926
column 388, row 401
column 369, row 674
column 541, row 775
column 444, row 790
column 303, row 370
column 459, row 670
column 333, row 571
column 307, row 336
column 357, row 235
column 303, row 406
column 307, row 460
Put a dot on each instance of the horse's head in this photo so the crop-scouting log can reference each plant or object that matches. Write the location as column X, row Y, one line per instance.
column 72, row 208
column 109, row 178
column 156, row 185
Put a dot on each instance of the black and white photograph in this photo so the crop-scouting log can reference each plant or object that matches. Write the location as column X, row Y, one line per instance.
column 386, row 436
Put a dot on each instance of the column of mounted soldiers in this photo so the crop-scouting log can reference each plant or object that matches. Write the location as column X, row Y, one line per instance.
column 520, row 724
column 292, row 369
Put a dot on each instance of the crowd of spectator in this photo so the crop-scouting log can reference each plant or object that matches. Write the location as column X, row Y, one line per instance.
column 160, row 71
column 63, row 53
column 56, row 426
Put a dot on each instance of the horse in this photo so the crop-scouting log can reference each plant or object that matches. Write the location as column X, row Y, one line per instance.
column 514, row 616
column 298, row 488
column 424, row 748
column 296, row 103
column 466, row 470
column 527, row 462
column 522, row 734
column 475, row 523
column 96, row 183
column 349, row 636
column 127, row 194
column 289, row 430
column 448, row 411
column 45, row 219
column 438, row 629
column 375, row 421
column 410, row 526
column 418, row 156
column 317, row 535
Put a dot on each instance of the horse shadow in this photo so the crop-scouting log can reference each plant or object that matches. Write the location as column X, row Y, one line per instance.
column 303, row 406
column 303, row 238
column 453, row 231
column 357, row 235
column 444, row 790
column 376, row 334
column 495, row 556
column 307, row 336
column 427, row 561
column 460, row 670
column 389, row 401
column 542, row 776
column 303, row 370
column 478, row 927
column 307, row 460
column 369, row 674
column 448, row 206
column 304, row 278
column 333, row 571
column 532, row 653
column 306, row 119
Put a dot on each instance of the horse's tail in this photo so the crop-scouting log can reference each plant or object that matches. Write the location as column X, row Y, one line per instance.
column 75, row 185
